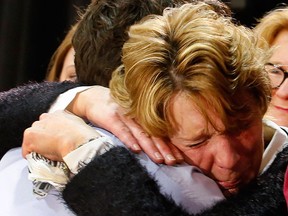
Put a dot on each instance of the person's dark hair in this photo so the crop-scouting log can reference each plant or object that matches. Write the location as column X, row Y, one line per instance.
column 102, row 29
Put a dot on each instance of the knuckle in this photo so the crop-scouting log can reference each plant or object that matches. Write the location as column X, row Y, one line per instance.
column 125, row 129
column 35, row 124
column 28, row 133
column 143, row 134
column 43, row 115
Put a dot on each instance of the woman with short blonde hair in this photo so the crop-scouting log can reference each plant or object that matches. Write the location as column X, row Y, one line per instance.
column 176, row 53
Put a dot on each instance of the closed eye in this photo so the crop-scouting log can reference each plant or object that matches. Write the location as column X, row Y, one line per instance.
column 198, row 144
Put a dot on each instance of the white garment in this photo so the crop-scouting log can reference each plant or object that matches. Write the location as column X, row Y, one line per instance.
column 65, row 98
column 277, row 143
column 16, row 196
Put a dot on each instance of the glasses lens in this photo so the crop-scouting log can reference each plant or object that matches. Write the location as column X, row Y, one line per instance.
column 276, row 75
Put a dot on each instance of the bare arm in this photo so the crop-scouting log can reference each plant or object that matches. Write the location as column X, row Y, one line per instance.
column 96, row 105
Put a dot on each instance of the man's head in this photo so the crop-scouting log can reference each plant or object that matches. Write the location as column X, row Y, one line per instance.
column 101, row 34
column 196, row 78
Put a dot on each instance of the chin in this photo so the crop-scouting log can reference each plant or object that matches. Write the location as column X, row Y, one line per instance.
column 229, row 192
column 279, row 120
column 277, row 117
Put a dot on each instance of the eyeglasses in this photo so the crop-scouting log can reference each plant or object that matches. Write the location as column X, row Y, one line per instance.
column 276, row 73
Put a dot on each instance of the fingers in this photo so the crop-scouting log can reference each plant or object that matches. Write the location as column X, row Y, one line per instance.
column 141, row 137
column 175, row 151
column 155, row 148
column 123, row 132
column 29, row 134
column 26, row 144
column 43, row 116
column 148, row 145
column 32, row 143
column 171, row 154
column 54, row 135
column 133, row 136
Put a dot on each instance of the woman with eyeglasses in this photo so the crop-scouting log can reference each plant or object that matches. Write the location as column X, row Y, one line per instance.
column 273, row 28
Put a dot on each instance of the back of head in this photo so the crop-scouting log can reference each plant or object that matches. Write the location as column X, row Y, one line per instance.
column 271, row 24
column 194, row 50
column 101, row 34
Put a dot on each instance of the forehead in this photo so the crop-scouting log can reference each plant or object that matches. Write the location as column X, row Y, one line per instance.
column 188, row 120
column 69, row 58
column 280, row 54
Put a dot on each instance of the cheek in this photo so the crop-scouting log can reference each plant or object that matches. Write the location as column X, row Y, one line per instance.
column 252, row 146
column 201, row 158
column 273, row 93
column 254, row 159
column 192, row 157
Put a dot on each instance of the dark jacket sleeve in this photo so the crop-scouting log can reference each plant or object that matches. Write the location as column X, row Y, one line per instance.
column 21, row 106
column 116, row 184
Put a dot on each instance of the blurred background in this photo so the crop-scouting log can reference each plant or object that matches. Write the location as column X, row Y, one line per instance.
column 31, row 30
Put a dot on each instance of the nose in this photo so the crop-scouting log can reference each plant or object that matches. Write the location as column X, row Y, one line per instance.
column 226, row 154
column 282, row 91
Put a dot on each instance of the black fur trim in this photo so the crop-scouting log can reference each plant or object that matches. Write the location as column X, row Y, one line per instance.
column 110, row 185
column 116, row 184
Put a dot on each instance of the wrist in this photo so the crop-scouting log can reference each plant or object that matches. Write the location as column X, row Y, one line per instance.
column 81, row 156
column 72, row 144
column 78, row 104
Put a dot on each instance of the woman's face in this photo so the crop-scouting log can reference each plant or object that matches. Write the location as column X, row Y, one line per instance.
column 231, row 159
column 68, row 71
column 278, row 109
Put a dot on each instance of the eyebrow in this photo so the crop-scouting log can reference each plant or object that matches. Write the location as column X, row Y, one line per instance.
column 278, row 64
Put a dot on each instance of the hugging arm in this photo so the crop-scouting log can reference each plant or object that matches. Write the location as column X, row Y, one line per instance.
column 21, row 106
column 116, row 184
column 95, row 105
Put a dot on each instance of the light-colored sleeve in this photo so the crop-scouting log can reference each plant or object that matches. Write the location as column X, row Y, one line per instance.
column 277, row 143
column 81, row 156
column 65, row 98
column 46, row 174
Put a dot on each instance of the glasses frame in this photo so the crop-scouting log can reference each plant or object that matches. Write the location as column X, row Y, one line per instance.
column 279, row 67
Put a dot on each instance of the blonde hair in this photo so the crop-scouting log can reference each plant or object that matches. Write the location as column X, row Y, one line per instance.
column 271, row 24
column 56, row 62
column 193, row 50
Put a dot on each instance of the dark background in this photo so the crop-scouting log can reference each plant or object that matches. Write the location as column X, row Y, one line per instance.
column 31, row 30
